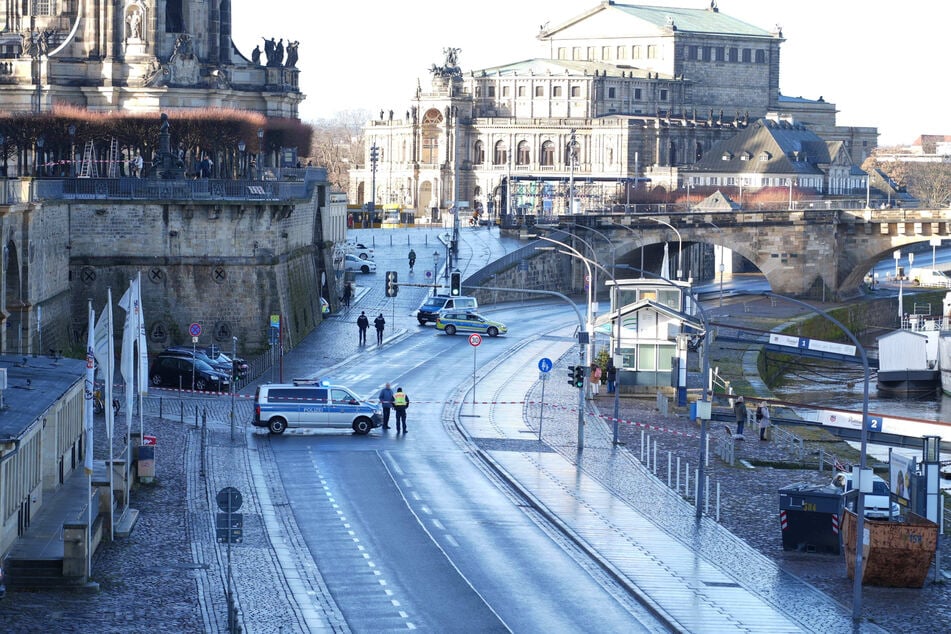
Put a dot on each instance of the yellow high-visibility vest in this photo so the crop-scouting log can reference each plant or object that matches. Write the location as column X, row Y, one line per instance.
column 399, row 399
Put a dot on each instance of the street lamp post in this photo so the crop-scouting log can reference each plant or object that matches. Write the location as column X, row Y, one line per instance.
column 722, row 267
column 260, row 154
column 572, row 149
column 72, row 150
column 863, row 453
column 581, row 350
column 435, row 270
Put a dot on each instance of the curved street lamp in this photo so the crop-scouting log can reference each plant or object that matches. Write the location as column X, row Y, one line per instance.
column 680, row 243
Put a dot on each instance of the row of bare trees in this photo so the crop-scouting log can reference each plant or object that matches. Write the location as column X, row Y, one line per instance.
column 929, row 182
column 52, row 143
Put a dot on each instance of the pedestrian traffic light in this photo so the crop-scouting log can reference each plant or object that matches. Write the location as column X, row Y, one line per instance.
column 392, row 288
column 571, row 375
column 455, row 283
column 579, row 376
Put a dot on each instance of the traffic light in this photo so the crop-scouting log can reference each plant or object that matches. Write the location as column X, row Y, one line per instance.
column 576, row 375
column 392, row 288
column 374, row 154
column 455, row 283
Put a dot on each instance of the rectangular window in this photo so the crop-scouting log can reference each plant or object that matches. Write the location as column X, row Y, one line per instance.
column 637, row 93
column 562, row 52
column 734, row 55
column 645, row 356
column 760, row 56
column 692, row 53
column 521, row 91
column 556, row 91
column 612, row 93
column 663, row 95
column 590, row 56
column 622, row 52
column 576, row 91
column 505, row 91
column 664, row 356
column 720, row 54
column 651, row 51
column 705, row 52
column 539, row 91
column 605, row 52
column 636, row 51
column 491, row 91
column 747, row 55
column 478, row 90
column 576, row 54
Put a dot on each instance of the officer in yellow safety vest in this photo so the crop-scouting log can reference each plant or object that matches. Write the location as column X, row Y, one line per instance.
column 400, row 403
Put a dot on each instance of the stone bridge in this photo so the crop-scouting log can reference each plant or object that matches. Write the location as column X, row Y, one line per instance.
column 798, row 251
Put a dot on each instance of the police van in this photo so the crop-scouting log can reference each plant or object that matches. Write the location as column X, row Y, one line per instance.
column 313, row 405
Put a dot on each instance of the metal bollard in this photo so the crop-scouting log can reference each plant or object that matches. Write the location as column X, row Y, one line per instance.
column 677, row 489
column 196, row 417
column 687, row 481
column 655, row 457
column 718, row 500
column 160, row 401
column 669, row 464
column 642, row 446
column 181, row 414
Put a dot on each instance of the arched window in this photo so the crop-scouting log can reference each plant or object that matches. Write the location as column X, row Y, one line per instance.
column 524, row 155
column 698, row 152
column 432, row 122
column 478, row 153
column 548, row 154
column 501, row 155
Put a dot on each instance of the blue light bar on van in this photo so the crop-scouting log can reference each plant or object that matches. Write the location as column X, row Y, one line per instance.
column 309, row 382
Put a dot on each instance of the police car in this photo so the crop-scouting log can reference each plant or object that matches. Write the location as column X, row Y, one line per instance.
column 310, row 404
column 451, row 322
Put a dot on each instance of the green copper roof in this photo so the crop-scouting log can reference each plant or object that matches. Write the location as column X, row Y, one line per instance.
column 692, row 20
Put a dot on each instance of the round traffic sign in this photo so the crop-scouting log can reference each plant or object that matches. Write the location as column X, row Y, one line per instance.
column 475, row 339
column 229, row 499
column 195, row 330
column 544, row 364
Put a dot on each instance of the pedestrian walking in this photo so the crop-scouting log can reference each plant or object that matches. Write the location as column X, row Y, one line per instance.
column 412, row 260
column 739, row 410
column 363, row 322
column 400, row 403
column 762, row 417
column 595, row 380
column 379, row 323
column 386, row 400
column 612, row 377
column 347, row 294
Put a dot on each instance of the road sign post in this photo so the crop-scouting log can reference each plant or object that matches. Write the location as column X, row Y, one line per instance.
column 544, row 366
column 474, row 340
column 228, row 528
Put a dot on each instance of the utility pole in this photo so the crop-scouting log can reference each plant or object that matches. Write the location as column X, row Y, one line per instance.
column 374, row 159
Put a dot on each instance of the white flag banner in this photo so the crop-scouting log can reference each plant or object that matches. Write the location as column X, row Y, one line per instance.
column 90, row 386
column 665, row 265
column 143, row 345
column 105, row 357
column 130, row 335
column 901, row 308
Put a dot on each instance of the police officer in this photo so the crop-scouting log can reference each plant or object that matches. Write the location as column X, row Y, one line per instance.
column 400, row 403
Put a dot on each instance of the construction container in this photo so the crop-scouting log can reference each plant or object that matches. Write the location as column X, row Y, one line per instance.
column 897, row 555
column 809, row 516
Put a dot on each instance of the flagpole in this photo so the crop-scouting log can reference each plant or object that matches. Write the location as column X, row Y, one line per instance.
column 88, row 413
column 143, row 352
column 110, row 414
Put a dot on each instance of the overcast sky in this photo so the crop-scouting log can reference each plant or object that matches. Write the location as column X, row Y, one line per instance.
column 878, row 62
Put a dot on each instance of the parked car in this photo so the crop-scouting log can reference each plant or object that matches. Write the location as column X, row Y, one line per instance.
column 353, row 263
column 435, row 303
column 221, row 365
column 181, row 371
column 360, row 250
column 878, row 503
column 239, row 365
column 452, row 322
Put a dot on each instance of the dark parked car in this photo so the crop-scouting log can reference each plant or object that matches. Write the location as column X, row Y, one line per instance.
column 241, row 367
column 224, row 366
column 180, row 371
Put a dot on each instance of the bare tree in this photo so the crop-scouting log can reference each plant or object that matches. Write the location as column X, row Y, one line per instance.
column 338, row 145
column 930, row 183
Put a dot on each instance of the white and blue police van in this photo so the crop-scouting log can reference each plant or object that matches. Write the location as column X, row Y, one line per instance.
column 310, row 404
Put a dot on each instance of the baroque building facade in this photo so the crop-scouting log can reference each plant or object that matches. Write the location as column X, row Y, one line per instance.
column 623, row 93
column 139, row 56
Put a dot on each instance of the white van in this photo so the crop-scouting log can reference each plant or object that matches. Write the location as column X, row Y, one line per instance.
column 929, row 277
column 314, row 405
column 878, row 504
column 435, row 303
